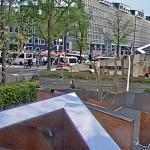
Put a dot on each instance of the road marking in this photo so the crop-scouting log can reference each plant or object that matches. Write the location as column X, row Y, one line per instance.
column 118, row 109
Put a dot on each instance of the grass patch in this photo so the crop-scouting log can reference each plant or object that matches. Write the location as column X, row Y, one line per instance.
column 140, row 80
column 72, row 75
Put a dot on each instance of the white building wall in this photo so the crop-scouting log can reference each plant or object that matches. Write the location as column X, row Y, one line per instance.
column 101, row 14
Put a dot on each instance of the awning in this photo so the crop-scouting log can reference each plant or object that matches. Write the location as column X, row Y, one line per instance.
column 140, row 49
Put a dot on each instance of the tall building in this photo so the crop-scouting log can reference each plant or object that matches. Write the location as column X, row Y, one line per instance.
column 102, row 12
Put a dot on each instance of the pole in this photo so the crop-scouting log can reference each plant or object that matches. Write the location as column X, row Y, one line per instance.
column 132, row 49
column 49, row 38
column 129, row 69
column 134, row 36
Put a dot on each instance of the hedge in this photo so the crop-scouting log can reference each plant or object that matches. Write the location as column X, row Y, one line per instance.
column 15, row 94
column 147, row 90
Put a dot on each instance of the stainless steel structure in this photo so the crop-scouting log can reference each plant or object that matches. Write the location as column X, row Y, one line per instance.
column 94, row 135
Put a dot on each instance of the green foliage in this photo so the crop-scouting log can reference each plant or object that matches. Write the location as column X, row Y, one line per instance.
column 49, row 19
column 80, row 21
column 140, row 80
column 15, row 94
column 147, row 90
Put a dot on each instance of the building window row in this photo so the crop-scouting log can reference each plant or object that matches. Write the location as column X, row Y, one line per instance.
column 30, row 30
column 36, row 40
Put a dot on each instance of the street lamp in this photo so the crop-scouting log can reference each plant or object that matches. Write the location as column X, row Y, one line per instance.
column 130, row 67
column 134, row 34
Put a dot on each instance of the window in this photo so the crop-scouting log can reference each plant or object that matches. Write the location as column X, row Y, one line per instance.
column 28, row 55
column 30, row 48
column 16, row 29
column 30, row 31
column 21, row 56
column 36, row 41
column 10, row 29
column 30, row 41
column 42, row 42
column 103, row 47
column 72, row 60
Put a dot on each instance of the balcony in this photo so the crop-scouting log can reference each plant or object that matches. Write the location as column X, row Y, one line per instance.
column 105, row 2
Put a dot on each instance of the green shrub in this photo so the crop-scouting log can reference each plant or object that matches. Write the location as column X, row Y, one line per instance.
column 15, row 94
column 147, row 90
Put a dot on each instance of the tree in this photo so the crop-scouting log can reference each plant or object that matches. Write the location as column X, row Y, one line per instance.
column 99, row 70
column 118, row 33
column 80, row 25
column 7, row 17
column 50, row 20
column 119, row 30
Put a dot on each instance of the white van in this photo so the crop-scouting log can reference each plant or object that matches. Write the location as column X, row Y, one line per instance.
column 68, row 60
column 23, row 57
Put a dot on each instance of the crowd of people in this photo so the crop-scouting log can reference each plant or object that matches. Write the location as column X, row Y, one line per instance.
column 42, row 61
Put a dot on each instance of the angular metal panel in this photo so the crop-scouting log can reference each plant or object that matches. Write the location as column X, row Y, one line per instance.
column 94, row 135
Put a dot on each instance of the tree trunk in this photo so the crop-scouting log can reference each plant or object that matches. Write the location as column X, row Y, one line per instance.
column 132, row 59
column 3, row 41
column 49, row 59
column 114, row 86
column 65, row 43
column 122, row 66
column 4, row 66
column 49, row 48
column 80, row 55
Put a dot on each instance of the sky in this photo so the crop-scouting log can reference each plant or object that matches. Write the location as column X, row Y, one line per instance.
column 137, row 4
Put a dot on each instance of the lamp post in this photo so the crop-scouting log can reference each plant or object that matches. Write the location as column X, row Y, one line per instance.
column 134, row 34
column 131, row 57
column 66, row 34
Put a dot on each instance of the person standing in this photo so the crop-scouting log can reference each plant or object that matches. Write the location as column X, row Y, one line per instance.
column 37, row 62
column 44, row 60
column 34, row 61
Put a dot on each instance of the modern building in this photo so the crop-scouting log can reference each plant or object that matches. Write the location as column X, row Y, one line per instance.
column 102, row 12
column 34, row 42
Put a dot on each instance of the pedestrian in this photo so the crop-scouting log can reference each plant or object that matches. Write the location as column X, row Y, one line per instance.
column 37, row 62
column 29, row 63
column 90, row 57
column 34, row 61
column 44, row 60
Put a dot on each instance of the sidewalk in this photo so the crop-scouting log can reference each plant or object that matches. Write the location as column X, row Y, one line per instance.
column 18, row 68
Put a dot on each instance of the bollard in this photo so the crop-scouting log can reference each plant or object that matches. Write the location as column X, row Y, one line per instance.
column 72, row 86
